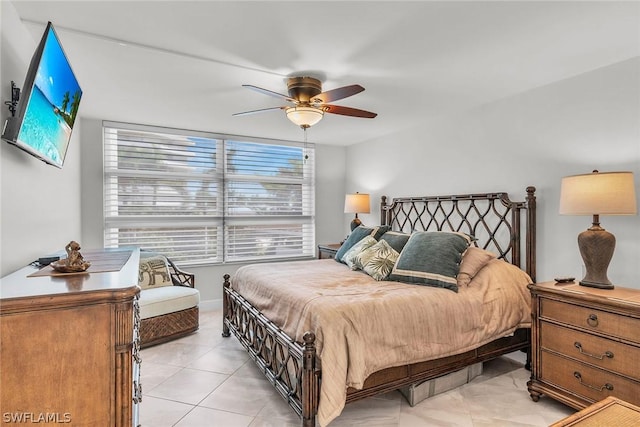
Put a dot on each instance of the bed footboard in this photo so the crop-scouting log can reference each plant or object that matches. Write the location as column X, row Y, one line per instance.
column 288, row 365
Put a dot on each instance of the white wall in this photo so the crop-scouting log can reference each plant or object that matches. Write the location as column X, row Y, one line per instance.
column 591, row 121
column 330, row 177
column 43, row 208
column 39, row 204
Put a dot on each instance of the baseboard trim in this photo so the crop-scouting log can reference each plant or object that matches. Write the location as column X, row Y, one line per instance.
column 210, row 305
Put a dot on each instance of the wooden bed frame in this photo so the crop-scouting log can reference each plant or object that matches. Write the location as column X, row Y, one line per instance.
column 493, row 219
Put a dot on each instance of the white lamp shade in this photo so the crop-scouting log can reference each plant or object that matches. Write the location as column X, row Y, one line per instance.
column 607, row 193
column 304, row 116
column 357, row 203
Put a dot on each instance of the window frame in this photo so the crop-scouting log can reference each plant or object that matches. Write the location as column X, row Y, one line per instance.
column 223, row 220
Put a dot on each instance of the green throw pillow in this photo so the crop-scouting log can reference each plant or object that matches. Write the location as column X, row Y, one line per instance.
column 359, row 233
column 431, row 259
column 396, row 240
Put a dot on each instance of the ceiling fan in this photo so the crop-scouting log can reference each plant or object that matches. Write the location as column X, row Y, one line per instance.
column 309, row 103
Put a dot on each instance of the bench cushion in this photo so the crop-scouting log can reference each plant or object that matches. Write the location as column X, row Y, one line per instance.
column 167, row 299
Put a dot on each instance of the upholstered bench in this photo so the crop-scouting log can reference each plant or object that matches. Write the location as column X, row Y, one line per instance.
column 168, row 300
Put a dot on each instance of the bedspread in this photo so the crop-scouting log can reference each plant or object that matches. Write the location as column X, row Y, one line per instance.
column 363, row 326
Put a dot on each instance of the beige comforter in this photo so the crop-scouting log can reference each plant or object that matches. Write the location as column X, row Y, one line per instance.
column 363, row 326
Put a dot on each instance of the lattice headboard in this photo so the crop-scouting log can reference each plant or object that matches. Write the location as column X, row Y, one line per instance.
column 498, row 224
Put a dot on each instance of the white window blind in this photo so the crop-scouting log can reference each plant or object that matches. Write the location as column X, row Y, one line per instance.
column 269, row 201
column 200, row 198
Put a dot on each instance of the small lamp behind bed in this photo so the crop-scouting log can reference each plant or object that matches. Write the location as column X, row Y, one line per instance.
column 609, row 193
column 356, row 203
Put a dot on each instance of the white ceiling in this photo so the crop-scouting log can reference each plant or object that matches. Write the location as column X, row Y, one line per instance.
column 182, row 63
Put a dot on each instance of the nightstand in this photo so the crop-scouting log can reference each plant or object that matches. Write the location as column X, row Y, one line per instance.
column 328, row 251
column 585, row 343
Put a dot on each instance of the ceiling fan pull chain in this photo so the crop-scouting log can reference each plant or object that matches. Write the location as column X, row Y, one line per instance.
column 304, row 129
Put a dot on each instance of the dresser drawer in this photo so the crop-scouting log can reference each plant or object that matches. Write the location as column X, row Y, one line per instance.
column 590, row 383
column 624, row 327
column 607, row 354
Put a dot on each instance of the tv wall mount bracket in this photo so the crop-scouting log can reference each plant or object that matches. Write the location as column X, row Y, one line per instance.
column 15, row 97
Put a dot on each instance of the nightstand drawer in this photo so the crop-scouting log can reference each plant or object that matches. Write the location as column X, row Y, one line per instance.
column 590, row 383
column 591, row 319
column 328, row 251
column 604, row 353
column 326, row 255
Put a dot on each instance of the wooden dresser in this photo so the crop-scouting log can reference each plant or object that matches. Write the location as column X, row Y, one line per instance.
column 67, row 345
column 585, row 343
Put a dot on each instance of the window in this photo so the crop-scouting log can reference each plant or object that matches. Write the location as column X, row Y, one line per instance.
column 202, row 198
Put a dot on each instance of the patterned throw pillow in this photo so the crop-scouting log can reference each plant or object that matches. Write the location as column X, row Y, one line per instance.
column 431, row 258
column 378, row 260
column 356, row 249
column 472, row 261
column 154, row 272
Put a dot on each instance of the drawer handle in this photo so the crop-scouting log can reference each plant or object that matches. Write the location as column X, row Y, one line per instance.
column 579, row 377
column 592, row 320
column 595, row 356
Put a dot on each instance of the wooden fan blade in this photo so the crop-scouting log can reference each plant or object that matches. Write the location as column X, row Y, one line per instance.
column 270, row 93
column 347, row 111
column 262, row 110
column 335, row 94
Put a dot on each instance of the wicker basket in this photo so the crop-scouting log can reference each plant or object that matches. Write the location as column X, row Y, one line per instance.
column 159, row 329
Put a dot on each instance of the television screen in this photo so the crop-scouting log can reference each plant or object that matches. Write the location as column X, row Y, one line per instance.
column 48, row 105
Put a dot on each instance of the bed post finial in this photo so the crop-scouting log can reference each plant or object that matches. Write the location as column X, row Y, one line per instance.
column 531, row 192
column 383, row 211
column 309, row 339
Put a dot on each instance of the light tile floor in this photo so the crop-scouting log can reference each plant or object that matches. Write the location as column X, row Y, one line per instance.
column 205, row 380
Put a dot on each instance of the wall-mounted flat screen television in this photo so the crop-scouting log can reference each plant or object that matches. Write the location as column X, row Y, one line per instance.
column 48, row 105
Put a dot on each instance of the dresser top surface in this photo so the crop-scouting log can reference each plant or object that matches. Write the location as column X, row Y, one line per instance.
column 619, row 293
column 19, row 285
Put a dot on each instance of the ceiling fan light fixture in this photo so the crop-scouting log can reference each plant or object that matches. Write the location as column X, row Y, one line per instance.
column 304, row 116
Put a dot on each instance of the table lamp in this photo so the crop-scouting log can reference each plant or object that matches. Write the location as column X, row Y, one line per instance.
column 607, row 193
column 356, row 203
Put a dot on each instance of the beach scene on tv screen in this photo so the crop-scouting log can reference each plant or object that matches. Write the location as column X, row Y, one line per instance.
column 53, row 104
